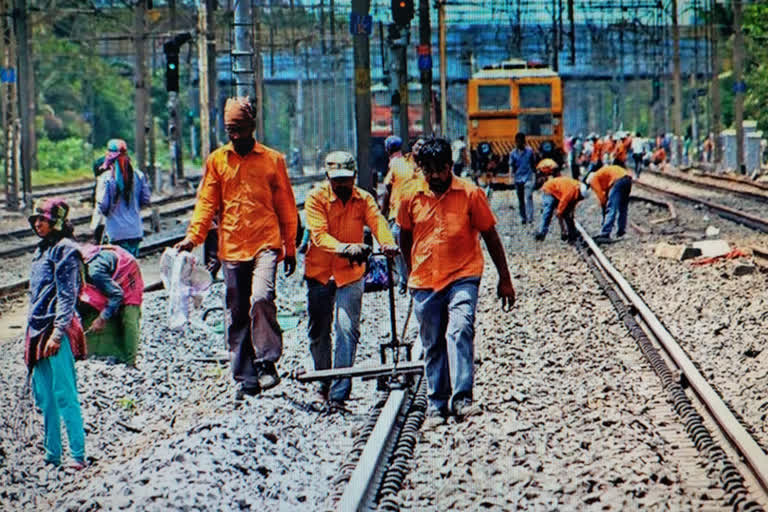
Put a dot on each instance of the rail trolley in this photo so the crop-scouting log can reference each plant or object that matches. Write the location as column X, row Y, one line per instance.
column 504, row 99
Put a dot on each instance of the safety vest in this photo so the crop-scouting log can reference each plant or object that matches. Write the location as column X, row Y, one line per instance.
column 127, row 275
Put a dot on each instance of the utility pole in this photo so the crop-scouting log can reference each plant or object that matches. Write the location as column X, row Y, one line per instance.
column 140, row 75
column 26, row 97
column 555, row 43
column 425, row 67
column 678, row 112
column 9, row 101
column 258, row 75
column 739, row 86
column 242, row 54
column 400, row 96
column 152, row 145
column 203, row 83
column 714, row 87
column 443, row 77
column 362, row 59
column 571, row 34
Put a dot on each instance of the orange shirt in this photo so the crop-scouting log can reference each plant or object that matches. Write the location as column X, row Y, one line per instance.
column 446, row 241
column 659, row 156
column 621, row 149
column 565, row 190
column 597, row 151
column 401, row 171
column 604, row 180
column 332, row 223
column 255, row 200
column 608, row 146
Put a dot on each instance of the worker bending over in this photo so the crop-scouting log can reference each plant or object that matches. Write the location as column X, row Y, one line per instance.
column 612, row 186
column 560, row 196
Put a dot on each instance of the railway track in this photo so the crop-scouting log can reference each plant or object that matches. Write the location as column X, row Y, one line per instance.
column 731, row 450
column 748, row 189
column 749, row 220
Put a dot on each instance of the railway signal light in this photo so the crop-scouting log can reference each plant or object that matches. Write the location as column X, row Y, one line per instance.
column 402, row 12
column 171, row 50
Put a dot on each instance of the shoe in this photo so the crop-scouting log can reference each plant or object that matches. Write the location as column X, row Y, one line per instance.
column 434, row 418
column 465, row 407
column 402, row 288
column 78, row 465
column 524, row 223
column 539, row 237
column 601, row 239
column 319, row 398
column 336, row 406
column 620, row 236
column 268, row 377
column 243, row 391
column 564, row 237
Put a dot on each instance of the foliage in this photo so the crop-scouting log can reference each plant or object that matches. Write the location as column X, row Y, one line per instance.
column 65, row 156
column 79, row 93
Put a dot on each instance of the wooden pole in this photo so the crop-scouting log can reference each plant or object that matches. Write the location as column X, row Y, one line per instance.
column 202, row 66
column 425, row 40
column 443, row 74
column 258, row 74
column 738, row 77
column 140, row 73
column 714, row 87
column 26, row 97
column 678, row 109
column 362, row 58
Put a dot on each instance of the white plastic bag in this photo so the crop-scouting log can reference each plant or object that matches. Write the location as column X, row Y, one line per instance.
column 186, row 280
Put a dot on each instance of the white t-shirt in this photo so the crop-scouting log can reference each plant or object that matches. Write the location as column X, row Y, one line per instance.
column 637, row 145
column 457, row 150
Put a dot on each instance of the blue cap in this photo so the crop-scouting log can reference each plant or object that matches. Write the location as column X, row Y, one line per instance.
column 393, row 143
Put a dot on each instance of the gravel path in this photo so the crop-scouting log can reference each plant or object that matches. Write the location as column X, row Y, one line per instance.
column 574, row 419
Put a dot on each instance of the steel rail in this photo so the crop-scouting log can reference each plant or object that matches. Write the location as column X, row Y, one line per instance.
column 758, row 196
column 744, row 218
column 707, row 170
column 360, row 493
column 725, row 419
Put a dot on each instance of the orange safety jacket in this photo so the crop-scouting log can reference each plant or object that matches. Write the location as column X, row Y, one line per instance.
column 565, row 190
column 604, row 180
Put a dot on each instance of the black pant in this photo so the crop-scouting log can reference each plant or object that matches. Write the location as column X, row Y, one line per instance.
column 211, row 252
column 575, row 170
column 638, row 163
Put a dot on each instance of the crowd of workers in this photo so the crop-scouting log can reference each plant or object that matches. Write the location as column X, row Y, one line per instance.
column 85, row 299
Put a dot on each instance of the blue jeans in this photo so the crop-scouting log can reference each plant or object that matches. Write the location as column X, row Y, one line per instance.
column 54, row 383
column 525, row 199
column 447, row 330
column 320, row 304
column 400, row 266
column 618, row 205
column 548, row 205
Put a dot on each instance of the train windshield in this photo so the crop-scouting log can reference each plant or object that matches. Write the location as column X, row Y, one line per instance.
column 536, row 96
column 493, row 97
column 536, row 124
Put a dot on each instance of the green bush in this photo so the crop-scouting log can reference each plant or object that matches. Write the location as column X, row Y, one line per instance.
column 64, row 156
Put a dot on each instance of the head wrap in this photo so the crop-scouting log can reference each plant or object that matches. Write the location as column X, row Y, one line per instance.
column 239, row 110
column 54, row 210
column 117, row 159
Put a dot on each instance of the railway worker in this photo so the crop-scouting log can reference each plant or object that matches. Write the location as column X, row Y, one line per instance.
column 438, row 215
column 637, row 153
column 576, row 156
column 622, row 147
column 247, row 184
column 459, row 155
column 522, row 160
column 337, row 213
column 608, row 147
column 125, row 194
column 401, row 171
column 560, row 196
column 110, row 302
column 596, row 156
column 659, row 158
column 612, row 185
column 54, row 337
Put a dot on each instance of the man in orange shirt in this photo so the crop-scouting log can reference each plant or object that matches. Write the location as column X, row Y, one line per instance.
column 402, row 169
column 612, row 186
column 596, row 157
column 560, row 195
column 336, row 213
column 247, row 183
column 440, row 219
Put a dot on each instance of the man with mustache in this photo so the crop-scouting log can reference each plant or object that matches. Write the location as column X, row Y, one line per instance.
column 337, row 212
column 441, row 220
column 247, row 184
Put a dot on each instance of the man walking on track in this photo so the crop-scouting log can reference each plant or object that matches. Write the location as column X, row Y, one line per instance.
column 247, row 183
column 440, row 220
column 337, row 212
